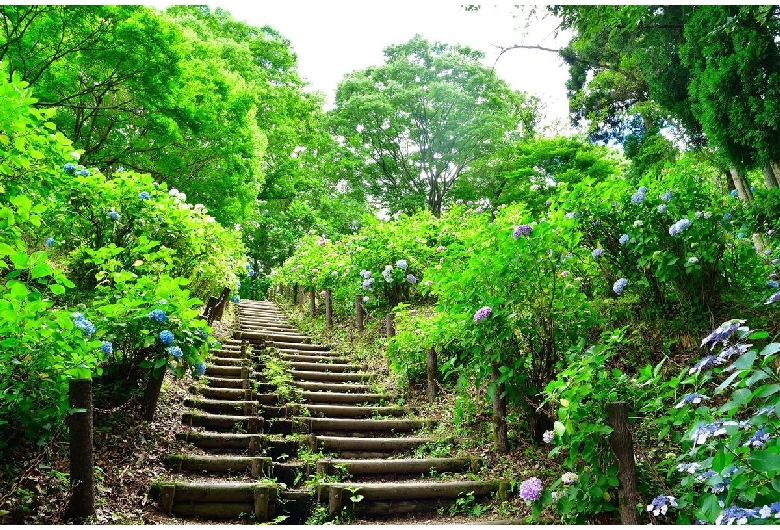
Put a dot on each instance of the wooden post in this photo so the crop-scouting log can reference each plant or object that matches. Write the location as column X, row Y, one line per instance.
column 152, row 393
column 622, row 445
column 312, row 303
column 359, row 312
column 432, row 369
column 499, row 413
column 294, row 294
column 301, row 295
column 82, row 465
column 390, row 325
column 328, row 310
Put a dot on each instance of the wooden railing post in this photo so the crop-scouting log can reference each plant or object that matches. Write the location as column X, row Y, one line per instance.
column 328, row 309
column 359, row 312
column 390, row 325
column 82, row 465
column 432, row 370
column 622, row 445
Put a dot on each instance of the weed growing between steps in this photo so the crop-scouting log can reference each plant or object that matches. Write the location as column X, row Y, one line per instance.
column 463, row 427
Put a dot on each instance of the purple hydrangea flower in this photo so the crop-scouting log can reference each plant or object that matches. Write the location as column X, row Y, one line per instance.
column 365, row 274
column 469, row 203
column 411, row 279
column 482, row 312
column 107, row 347
column 597, row 252
column 619, row 285
column 200, row 368
column 531, row 489
column 722, row 333
column 660, row 505
column 522, row 230
column 704, row 364
column 623, row 239
column 166, row 337
column 774, row 298
column 158, row 315
column 367, row 283
column 679, row 226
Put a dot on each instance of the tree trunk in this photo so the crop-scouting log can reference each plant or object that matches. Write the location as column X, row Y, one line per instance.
column 359, row 312
column 622, row 445
column 389, row 325
column 152, row 393
column 294, row 294
column 82, row 478
column 770, row 177
column 328, row 310
column 432, row 369
column 741, row 184
column 499, row 413
column 312, row 303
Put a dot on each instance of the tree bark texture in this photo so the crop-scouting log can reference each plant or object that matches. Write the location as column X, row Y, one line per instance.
column 312, row 303
column 499, row 413
column 622, row 445
column 152, row 393
column 328, row 310
column 294, row 294
column 82, row 478
column 741, row 184
column 390, row 325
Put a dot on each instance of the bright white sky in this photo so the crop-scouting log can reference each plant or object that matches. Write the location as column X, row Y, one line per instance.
column 336, row 37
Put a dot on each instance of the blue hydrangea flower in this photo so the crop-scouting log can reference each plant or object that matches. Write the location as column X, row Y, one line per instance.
column 113, row 215
column 158, row 315
column 250, row 272
column 69, row 168
column 107, row 347
column 411, row 279
column 772, row 284
column 661, row 208
column 736, row 515
column 531, row 489
column 77, row 316
column 49, row 241
column 693, row 259
column 758, row 439
column 769, row 510
column 234, row 299
column 721, row 334
column 706, row 363
column 386, row 273
column 623, row 239
column 679, row 226
column 694, row 398
column 203, row 334
column 174, row 351
column 638, row 197
column 619, row 285
column 144, row 195
column 479, row 209
column 522, row 230
column 666, row 197
column 200, row 368
column 166, row 337
column 597, row 252
column 660, row 505
column 482, row 312
column 642, row 189
column 688, row 467
column 367, row 283
column 83, row 172
column 733, row 193
column 705, row 475
column 401, row 264
column 469, row 203
column 86, row 326
column 703, row 432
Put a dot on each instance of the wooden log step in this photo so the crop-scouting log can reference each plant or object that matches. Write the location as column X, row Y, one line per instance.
column 326, row 367
column 342, row 377
column 262, row 336
column 254, row 444
column 319, row 425
column 226, row 500
column 298, row 346
column 382, row 445
column 344, row 397
column 222, row 393
column 267, row 326
column 255, row 466
column 383, row 491
column 223, row 406
column 228, row 361
column 228, row 371
column 399, row 466
column 222, row 422
column 330, row 387
column 345, row 411
column 226, row 382
column 298, row 357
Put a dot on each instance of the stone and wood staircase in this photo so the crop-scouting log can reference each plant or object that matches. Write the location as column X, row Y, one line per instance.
column 280, row 428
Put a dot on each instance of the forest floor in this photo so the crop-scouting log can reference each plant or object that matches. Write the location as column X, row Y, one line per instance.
column 130, row 453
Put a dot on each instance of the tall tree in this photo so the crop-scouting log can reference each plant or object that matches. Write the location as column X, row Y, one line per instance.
column 422, row 118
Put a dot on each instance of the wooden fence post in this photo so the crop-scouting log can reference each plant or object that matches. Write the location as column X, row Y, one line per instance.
column 312, row 303
column 328, row 309
column 499, row 413
column 432, row 369
column 359, row 312
column 390, row 325
column 622, row 445
column 82, row 465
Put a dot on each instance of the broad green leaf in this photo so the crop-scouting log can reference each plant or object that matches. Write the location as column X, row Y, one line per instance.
column 765, row 462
